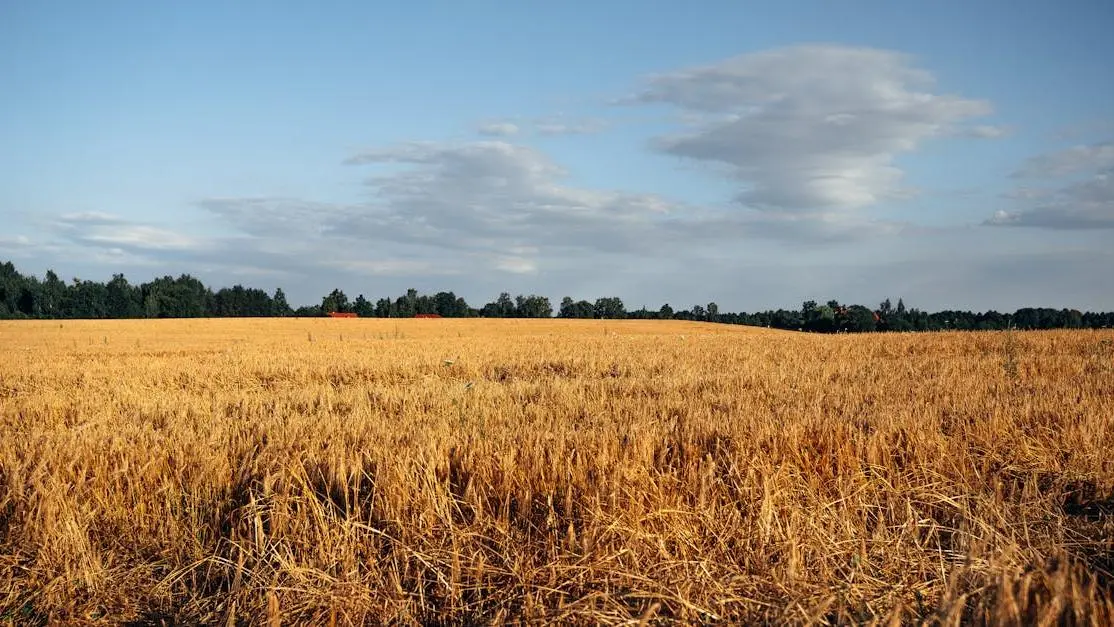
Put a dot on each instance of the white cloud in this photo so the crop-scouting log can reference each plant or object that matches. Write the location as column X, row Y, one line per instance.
column 1072, row 160
column 562, row 125
column 393, row 267
column 142, row 237
column 89, row 217
column 484, row 217
column 17, row 246
column 545, row 126
column 479, row 209
column 809, row 128
column 498, row 129
column 1095, row 127
column 18, row 241
column 490, row 194
column 1087, row 204
column 272, row 216
column 517, row 265
column 986, row 131
column 1082, row 198
column 812, row 135
column 108, row 231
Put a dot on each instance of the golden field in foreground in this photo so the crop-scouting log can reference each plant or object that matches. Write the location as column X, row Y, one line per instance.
column 325, row 471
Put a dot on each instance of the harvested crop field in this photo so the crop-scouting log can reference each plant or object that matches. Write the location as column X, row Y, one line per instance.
column 319, row 471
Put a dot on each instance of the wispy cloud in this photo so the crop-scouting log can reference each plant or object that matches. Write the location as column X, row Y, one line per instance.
column 110, row 231
column 543, row 126
column 986, row 131
column 12, row 244
column 498, row 129
column 1081, row 196
column 1072, row 160
column 1083, row 130
column 810, row 136
column 563, row 125
column 813, row 128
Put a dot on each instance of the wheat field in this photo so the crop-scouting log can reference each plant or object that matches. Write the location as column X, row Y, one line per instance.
column 319, row 471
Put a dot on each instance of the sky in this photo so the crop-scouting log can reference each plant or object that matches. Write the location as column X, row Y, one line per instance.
column 757, row 154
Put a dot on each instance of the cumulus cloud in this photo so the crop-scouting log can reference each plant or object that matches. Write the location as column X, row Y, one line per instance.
column 809, row 128
column 1081, row 198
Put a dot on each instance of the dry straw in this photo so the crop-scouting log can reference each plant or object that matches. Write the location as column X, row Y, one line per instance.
column 551, row 474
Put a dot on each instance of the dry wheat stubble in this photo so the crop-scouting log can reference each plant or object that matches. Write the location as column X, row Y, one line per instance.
column 365, row 471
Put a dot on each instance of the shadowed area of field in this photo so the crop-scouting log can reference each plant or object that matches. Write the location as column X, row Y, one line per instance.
column 366, row 471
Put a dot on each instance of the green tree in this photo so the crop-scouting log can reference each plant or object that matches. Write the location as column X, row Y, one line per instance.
column 335, row 302
column 576, row 309
column 25, row 304
column 363, row 307
column 183, row 297
column 124, row 301
column 885, row 308
column 384, row 308
column 1072, row 319
column 447, row 305
column 86, row 300
column 610, row 307
column 279, row 306
column 533, row 306
column 233, row 302
column 407, row 306
column 52, row 293
column 859, row 319
column 503, row 307
column 821, row 320
column 425, row 305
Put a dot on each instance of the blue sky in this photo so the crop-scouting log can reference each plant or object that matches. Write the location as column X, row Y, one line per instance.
column 955, row 154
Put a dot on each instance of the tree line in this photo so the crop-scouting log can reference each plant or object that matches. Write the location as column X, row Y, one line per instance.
column 28, row 297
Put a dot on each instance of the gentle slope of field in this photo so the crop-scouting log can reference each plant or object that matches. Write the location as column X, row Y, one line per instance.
column 367, row 471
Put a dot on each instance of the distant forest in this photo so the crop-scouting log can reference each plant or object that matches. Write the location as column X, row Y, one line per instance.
column 28, row 297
